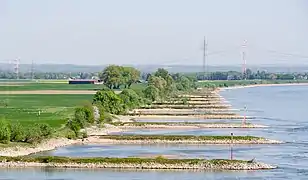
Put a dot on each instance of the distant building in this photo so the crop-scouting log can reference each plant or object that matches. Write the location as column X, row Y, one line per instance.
column 82, row 81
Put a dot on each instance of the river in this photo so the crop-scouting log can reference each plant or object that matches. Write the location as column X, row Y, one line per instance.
column 280, row 107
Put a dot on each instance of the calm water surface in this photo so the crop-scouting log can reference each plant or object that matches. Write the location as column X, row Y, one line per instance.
column 281, row 108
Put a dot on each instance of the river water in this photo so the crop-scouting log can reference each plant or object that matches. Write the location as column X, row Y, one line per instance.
column 282, row 108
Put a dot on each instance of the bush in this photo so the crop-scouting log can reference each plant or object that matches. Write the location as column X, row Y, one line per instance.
column 80, row 117
column 89, row 112
column 33, row 135
column 74, row 126
column 45, row 130
column 5, row 132
column 18, row 132
column 109, row 101
column 37, row 133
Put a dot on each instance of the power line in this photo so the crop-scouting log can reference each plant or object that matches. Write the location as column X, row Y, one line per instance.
column 204, row 57
column 244, row 58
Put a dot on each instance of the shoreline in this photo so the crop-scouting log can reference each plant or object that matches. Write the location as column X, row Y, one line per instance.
column 262, row 85
column 175, row 118
column 54, row 143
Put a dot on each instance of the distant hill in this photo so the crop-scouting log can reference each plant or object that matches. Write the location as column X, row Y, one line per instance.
column 149, row 68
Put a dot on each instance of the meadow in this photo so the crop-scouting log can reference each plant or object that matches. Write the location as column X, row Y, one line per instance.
column 53, row 109
column 29, row 86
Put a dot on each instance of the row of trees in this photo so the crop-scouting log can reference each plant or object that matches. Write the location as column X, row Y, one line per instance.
column 160, row 86
column 250, row 75
column 116, row 76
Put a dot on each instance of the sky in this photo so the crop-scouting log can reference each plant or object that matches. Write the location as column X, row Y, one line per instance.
column 92, row 32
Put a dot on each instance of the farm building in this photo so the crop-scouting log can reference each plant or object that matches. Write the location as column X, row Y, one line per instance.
column 83, row 81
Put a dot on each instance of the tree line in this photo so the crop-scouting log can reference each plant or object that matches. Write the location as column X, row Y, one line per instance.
column 125, row 76
column 250, row 75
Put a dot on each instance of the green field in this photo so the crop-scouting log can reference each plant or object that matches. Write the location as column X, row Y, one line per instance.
column 55, row 108
column 55, row 86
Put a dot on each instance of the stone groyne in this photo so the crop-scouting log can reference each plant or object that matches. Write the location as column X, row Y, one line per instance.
column 133, row 163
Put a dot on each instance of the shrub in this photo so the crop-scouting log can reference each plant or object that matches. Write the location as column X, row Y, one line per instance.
column 74, row 126
column 18, row 132
column 89, row 112
column 33, row 135
column 80, row 117
column 45, row 130
column 5, row 132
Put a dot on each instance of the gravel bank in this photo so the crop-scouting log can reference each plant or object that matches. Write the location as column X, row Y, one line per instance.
column 200, row 117
column 189, row 126
column 201, row 166
column 100, row 140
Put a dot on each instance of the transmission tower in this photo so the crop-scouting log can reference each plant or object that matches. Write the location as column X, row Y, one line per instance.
column 244, row 45
column 205, row 67
column 16, row 68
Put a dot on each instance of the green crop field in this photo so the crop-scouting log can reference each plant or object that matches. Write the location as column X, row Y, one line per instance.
column 55, row 86
column 54, row 109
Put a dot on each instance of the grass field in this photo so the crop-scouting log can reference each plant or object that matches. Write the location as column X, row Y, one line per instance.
column 55, row 86
column 54, row 109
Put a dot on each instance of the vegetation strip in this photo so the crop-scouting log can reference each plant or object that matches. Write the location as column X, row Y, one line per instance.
column 163, row 125
column 176, row 137
column 187, row 139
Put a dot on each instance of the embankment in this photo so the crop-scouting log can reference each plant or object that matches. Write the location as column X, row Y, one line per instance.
column 174, row 139
column 132, row 163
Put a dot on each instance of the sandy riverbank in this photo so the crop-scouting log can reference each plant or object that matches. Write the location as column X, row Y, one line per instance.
column 54, row 143
column 152, row 165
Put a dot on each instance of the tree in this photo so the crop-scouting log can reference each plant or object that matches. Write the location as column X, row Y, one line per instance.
column 131, row 75
column 151, row 92
column 161, row 72
column 130, row 98
column 160, row 84
column 109, row 101
column 112, row 76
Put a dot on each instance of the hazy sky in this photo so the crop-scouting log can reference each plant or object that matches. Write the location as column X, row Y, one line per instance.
column 153, row 32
